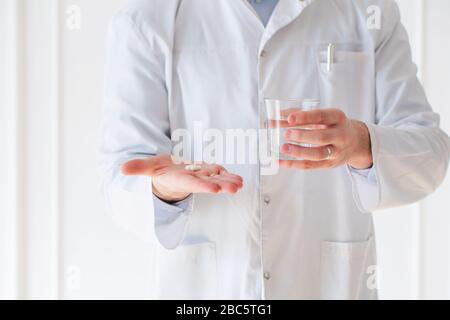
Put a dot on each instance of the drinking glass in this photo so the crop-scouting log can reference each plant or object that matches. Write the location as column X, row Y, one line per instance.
column 277, row 112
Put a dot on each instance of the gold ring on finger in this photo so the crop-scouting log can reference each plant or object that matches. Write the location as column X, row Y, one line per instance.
column 330, row 153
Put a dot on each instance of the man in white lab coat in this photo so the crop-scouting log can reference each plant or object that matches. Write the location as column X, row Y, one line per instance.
column 229, row 231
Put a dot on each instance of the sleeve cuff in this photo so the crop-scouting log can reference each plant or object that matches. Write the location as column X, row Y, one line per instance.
column 365, row 189
column 365, row 183
column 171, row 221
column 368, row 174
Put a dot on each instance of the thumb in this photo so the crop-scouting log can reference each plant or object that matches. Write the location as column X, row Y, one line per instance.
column 139, row 167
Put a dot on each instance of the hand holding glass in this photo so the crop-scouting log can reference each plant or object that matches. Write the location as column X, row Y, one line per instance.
column 277, row 114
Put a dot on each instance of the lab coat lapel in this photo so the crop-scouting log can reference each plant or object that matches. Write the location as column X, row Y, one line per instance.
column 285, row 12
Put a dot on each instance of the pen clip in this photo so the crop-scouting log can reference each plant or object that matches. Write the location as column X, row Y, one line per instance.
column 330, row 56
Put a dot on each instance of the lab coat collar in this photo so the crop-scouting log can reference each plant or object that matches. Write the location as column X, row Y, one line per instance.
column 285, row 12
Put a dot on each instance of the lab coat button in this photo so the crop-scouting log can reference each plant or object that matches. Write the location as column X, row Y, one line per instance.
column 263, row 54
column 267, row 275
column 267, row 199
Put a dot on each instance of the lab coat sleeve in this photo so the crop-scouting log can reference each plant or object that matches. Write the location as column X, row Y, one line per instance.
column 410, row 151
column 365, row 173
column 171, row 220
column 135, row 125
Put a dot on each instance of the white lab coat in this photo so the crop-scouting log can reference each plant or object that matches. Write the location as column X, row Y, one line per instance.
column 297, row 234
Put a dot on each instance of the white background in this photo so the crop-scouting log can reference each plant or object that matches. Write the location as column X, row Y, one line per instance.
column 55, row 239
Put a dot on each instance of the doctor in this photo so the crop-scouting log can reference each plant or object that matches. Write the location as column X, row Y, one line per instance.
column 229, row 232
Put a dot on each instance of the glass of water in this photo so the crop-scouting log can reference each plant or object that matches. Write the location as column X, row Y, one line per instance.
column 276, row 122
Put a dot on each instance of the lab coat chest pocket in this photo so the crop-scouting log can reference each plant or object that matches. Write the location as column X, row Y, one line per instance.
column 348, row 83
column 346, row 270
column 188, row 272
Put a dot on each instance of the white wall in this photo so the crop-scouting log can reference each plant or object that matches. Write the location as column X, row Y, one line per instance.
column 9, row 136
column 56, row 241
column 414, row 242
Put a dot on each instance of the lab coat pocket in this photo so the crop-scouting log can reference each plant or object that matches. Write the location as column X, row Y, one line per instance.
column 346, row 270
column 348, row 83
column 188, row 272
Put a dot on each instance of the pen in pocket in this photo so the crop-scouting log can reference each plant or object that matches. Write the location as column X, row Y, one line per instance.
column 331, row 50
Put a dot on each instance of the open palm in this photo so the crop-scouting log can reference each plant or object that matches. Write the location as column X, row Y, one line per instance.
column 173, row 182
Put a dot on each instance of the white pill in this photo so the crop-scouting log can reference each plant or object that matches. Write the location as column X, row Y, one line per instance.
column 193, row 167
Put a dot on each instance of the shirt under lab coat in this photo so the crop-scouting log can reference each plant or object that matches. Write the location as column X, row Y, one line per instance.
column 296, row 234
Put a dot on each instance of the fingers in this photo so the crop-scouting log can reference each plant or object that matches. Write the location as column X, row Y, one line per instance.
column 226, row 186
column 305, row 153
column 207, row 171
column 199, row 185
column 233, row 177
column 216, row 170
column 285, row 113
column 314, row 137
column 216, row 184
column 306, row 165
column 320, row 116
column 215, row 179
column 228, row 183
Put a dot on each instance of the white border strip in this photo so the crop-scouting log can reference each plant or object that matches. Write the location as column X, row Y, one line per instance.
column 55, row 147
column 418, row 220
column 19, row 145
column 8, row 110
